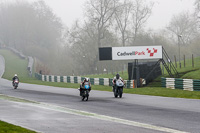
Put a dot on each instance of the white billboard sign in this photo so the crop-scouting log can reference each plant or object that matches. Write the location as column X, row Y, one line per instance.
column 137, row 52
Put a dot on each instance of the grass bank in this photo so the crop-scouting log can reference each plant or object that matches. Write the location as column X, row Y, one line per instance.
column 14, row 65
column 9, row 128
column 192, row 75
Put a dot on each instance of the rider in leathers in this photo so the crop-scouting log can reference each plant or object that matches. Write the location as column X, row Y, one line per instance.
column 82, row 85
column 115, row 79
column 15, row 77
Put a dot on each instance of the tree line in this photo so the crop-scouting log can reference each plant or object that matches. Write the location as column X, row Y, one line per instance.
column 35, row 30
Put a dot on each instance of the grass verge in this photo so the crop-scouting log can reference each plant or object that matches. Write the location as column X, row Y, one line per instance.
column 9, row 128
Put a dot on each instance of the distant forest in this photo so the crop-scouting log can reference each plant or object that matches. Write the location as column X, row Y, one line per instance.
column 35, row 30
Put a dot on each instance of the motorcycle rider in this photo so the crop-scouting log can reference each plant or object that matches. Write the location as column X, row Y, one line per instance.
column 82, row 85
column 115, row 79
column 14, row 78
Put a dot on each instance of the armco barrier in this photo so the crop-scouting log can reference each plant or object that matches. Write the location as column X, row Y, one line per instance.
column 185, row 84
column 30, row 65
column 76, row 79
column 20, row 54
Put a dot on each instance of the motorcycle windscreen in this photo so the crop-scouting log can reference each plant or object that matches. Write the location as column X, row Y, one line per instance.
column 86, row 85
column 119, row 83
column 16, row 81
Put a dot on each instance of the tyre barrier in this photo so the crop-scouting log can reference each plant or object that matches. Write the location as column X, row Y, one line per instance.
column 184, row 84
column 77, row 79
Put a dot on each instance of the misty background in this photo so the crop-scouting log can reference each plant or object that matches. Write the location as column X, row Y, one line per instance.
column 34, row 29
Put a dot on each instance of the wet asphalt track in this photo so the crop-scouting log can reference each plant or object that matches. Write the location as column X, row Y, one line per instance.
column 174, row 114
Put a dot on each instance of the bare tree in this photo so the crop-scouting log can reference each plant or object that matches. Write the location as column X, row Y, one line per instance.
column 140, row 13
column 81, row 39
column 197, row 5
column 101, row 12
column 81, row 46
column 184, row 25
column 197, row 12
column 122, row 15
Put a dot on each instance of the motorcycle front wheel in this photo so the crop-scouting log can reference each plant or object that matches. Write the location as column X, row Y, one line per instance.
column 87, row 95
column 115, row 93
column 15, row 86
column 120, row 92
column 83, row 97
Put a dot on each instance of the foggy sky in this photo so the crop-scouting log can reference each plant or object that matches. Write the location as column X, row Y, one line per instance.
column 163, row 10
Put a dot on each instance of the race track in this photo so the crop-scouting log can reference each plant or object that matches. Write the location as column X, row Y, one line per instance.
column 60, row 110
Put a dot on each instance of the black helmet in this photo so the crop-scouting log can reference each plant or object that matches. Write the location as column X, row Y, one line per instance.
column 117, row 76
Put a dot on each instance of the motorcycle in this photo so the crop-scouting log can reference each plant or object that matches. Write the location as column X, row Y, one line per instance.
column 15, row 83
column 85, row 91
column 118, row 89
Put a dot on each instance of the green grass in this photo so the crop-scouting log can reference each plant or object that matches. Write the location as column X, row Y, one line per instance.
column 187, row 68
column 9, row 128
column 14, row 65
column 192, row 75
column 165, row 92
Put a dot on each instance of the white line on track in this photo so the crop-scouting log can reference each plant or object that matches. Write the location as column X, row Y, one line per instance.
column 106, row 118
column 91, row 115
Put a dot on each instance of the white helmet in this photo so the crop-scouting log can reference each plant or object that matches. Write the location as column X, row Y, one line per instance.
column 87, row 79
column 15, row 75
